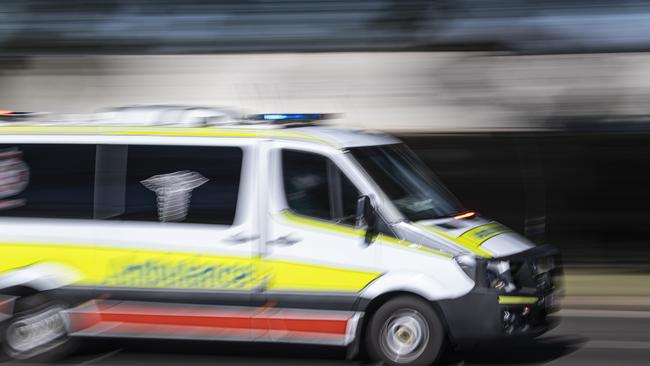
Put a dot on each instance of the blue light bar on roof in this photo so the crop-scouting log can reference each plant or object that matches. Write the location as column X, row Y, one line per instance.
column 276, row 117
column 290, row 117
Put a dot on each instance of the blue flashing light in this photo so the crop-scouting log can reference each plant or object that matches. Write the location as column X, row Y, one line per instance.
column 295, row 116
column 290, row 118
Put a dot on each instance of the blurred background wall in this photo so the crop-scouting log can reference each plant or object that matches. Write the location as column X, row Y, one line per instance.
column 387, row 90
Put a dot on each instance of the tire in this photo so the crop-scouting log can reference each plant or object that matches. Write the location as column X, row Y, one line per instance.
column 405, row 331
column 36, row 331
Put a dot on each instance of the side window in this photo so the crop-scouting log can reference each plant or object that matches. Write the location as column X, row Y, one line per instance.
column 192, row 184
column 47, row 180
column 315, row 187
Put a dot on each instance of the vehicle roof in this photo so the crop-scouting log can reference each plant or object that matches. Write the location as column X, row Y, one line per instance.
column 335, row 137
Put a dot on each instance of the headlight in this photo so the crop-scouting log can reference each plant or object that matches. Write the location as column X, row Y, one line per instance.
column 467, row 263
column 499, row 276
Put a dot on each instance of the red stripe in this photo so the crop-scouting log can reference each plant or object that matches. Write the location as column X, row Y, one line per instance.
column 328, row 326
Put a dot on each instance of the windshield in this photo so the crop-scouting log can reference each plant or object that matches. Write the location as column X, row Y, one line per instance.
column 407, row 182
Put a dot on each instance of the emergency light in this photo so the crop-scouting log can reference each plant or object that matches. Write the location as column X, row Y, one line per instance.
column 290, row 117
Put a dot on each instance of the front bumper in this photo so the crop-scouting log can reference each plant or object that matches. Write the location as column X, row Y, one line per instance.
column 484, row 315
column 480, row 317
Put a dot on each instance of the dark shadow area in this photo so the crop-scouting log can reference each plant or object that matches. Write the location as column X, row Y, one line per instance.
column 582, row 191
column 177, row 352
column 518, row 353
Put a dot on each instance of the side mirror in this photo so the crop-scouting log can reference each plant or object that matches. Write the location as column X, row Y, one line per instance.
column 366, row 219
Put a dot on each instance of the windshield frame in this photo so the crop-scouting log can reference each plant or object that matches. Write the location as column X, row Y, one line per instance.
column 437, row 191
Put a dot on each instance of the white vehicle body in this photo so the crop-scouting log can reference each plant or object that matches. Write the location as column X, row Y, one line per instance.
column 273, row 273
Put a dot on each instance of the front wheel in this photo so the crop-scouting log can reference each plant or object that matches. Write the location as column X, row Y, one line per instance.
column 405, row 331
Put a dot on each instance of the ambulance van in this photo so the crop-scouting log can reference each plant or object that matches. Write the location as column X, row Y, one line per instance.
column 271, row 228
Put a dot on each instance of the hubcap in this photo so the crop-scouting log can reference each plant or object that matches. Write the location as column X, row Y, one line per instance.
column 35, row 333
column 404, row 336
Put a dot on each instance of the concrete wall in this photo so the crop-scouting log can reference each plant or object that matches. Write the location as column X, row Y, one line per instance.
column 396, row 91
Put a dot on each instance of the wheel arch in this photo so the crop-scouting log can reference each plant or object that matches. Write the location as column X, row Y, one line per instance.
column 369, row 307
column 372, row 305
column 39, row 277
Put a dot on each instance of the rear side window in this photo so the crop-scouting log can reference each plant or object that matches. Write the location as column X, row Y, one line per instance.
column 47, row 180
column 192, row 184
column 315, row 187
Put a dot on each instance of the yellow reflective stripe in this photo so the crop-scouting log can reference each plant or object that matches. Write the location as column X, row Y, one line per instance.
column 320, row 224
column 464, row 242
column 471, row 245
column 295, row 276
column 511, row 300
column 281, row 134
column 125, row 267
column 186, row 132
column 135, row 268
column 158, row 131
column 39, row 130
column 480, row 234
column 343, row 229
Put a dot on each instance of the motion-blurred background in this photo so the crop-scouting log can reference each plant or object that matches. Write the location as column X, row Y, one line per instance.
column 535, row 113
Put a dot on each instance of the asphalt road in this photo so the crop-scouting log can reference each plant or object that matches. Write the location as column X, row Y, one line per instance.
column 584, row 337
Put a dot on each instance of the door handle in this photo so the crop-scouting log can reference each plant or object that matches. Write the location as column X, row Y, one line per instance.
column 285, row 240
column 241, row 238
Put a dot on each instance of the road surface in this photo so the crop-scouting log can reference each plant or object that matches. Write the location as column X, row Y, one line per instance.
column 584, row 337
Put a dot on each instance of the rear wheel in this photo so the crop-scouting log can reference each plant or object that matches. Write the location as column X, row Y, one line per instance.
column 36, row 331
column 405, row 331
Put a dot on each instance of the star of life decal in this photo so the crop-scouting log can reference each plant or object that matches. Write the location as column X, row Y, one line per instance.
column 174, row 192
column 14, row 177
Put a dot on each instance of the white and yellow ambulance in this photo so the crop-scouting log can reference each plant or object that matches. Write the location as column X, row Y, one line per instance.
column 268, row 228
